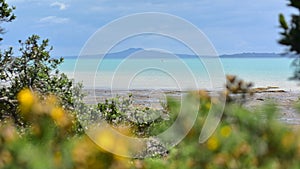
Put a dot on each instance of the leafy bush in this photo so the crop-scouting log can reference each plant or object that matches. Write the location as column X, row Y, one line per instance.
column 37, row 71
column 6, row 14
column 243, row 139
column 48, row 142
column 290, row 36
column 142, row 120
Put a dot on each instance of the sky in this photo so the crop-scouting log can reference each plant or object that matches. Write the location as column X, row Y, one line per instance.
column 232, row 26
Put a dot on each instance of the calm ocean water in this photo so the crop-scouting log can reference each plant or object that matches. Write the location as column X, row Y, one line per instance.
column 179, row 73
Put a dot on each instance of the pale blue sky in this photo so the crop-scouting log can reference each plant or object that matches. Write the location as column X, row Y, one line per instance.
column 233, row 26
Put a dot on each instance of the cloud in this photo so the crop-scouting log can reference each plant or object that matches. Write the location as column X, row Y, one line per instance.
column 60, row 5
column 54, row 19
column 228, row 23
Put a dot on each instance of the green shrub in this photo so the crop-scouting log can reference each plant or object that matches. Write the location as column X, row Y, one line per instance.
column 143, row 121
column 290, row 36
column 37, row 71
column 243, row 139
column 49, row 141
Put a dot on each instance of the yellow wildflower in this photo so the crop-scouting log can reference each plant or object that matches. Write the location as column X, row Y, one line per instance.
column 111, row 142
column 25, row 97
column 26, row 100
column 213, row 143
column 225, row 131
column 106, row 139
column 58, row 115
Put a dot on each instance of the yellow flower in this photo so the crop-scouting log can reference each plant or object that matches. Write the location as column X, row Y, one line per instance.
column 26, row 100
column 225, row 131
column 25, row 97
column 57, row 114
column 213, row 143
column 106, row 139
column 111, row 142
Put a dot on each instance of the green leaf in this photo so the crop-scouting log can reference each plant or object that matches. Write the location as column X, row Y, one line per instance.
column 283, row 23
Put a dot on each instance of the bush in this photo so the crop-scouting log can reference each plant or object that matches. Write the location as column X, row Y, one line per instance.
column 143, row 121
column 290, row 36
column 243, row 139
column 38, row 72
column 49, row 142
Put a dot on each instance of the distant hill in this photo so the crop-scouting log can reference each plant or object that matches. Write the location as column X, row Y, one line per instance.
column 252, row 55
column 141, row 53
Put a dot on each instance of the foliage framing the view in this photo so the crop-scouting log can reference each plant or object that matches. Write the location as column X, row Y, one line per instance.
column 33, row 69
column 36, row 70
column 6, row 14
column 244, row 139
column 290, row 36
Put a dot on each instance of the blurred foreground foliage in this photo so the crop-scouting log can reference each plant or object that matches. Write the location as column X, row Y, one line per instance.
column 39, row 128
column 49, row 141
column 243, row 139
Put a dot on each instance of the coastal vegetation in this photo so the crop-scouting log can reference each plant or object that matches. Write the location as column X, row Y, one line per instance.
column 39, row 125
column 290, row 36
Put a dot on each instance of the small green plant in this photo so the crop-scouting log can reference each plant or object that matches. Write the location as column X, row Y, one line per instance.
column 122, row 111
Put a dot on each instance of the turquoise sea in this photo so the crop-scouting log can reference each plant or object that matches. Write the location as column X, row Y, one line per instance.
column 162, row 73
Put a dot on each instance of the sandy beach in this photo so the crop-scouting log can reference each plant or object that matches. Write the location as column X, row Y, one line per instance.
column 285, row 100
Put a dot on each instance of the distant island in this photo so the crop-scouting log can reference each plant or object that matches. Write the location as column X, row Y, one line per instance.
column 141, row 53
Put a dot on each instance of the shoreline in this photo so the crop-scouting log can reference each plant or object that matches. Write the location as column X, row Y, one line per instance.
column 285, row 100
